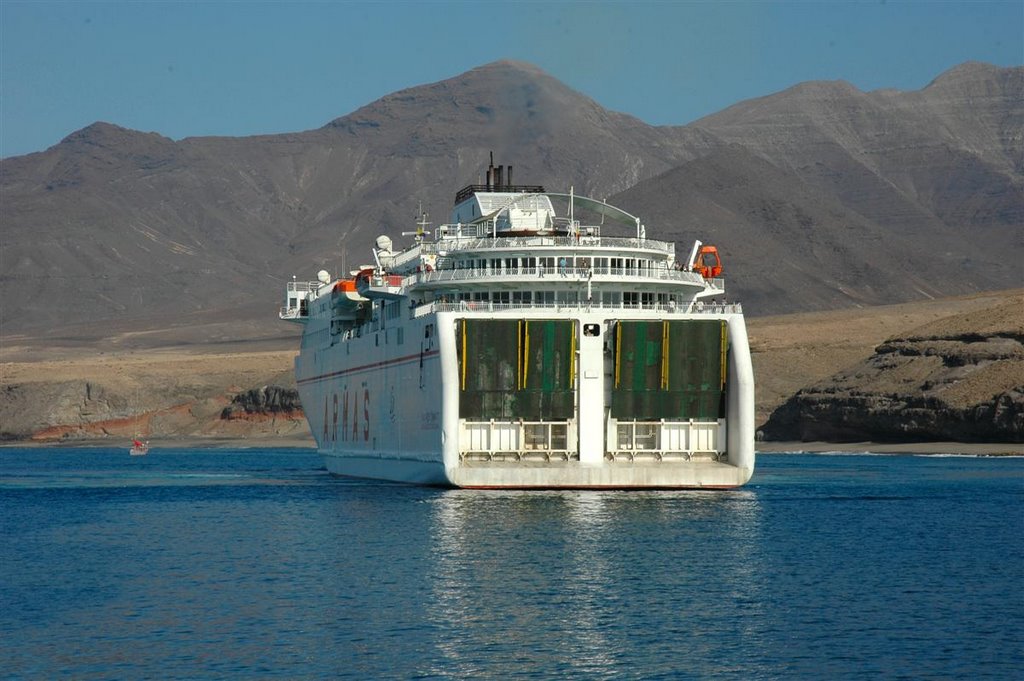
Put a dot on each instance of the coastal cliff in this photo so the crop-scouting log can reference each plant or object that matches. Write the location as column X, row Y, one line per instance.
column 960, row 378
column 264, row 402
column 157, row 395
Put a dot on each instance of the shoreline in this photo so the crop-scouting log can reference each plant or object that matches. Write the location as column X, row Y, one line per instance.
column 171, row 443
column 926, row 448
column 766, row 448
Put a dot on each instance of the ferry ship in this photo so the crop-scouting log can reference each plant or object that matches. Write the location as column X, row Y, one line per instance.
column 516, row 346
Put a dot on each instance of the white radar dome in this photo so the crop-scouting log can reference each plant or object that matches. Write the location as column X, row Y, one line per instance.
column 384, row 243
column 324, row 277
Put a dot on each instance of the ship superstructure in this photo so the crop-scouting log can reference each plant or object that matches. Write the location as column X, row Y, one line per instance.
column 517, row 347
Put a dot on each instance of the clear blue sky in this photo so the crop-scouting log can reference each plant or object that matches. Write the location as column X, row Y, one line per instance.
column 242, row 68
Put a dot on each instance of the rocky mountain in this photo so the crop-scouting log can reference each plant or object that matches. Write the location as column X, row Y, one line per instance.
column 860, row 198
column 960, row 378
column 819, row 196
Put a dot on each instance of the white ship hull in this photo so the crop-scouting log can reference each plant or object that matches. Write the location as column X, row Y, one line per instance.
column 523, row 350
column 384, row 410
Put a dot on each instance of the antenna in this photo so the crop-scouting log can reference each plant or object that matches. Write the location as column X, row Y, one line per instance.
column 421, row 225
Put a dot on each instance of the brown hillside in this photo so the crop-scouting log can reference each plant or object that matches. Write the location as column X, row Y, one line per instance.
column 69, row 389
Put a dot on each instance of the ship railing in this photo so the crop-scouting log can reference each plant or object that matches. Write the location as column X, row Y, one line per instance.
column 666, row 440
column 540, row 272
column 698, row 307
column 516, row 440
column 303, row 286
column 288, row 313
column 485, row 243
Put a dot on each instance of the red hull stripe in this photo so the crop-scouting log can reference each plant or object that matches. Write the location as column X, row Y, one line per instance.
column 368, row 367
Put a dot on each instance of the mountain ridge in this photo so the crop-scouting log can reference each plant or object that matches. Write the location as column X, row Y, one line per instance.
column 120, row 225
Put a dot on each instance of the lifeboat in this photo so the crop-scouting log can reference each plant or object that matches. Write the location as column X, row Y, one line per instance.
column 708, row 263
column 372, row 283
column 345, row 297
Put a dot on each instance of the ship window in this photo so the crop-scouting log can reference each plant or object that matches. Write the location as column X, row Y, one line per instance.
column 592, row 330
column 546, row 297
column 601, row 265
column 522, row 296
column 512, row 265
column 495, row 265
column 428, row 331
column 568, row 297
column 529, row 263
column 500, row 297
column 647, row 299
column 630, row 298
column 483, row 296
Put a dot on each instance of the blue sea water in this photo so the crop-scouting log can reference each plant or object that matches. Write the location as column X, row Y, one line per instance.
column 257, row 564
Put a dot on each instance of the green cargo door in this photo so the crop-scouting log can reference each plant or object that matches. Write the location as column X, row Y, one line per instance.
column 670, row 369
column 516, row 369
